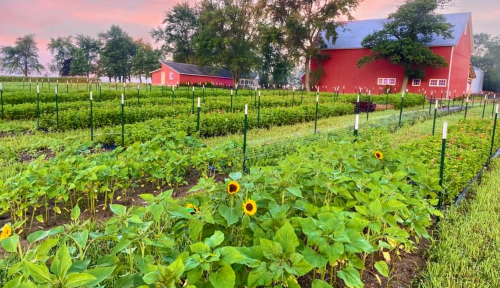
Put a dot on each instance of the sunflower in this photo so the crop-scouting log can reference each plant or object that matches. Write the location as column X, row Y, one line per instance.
column 250, row 207
column 192, row 209
column 233, row 187
column 6, row 232
column 379, row 155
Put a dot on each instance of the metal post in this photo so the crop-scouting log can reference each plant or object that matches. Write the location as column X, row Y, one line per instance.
column 466, row 107
column 316, row 114
column 493, row 133
column 293, row 96
column 138, row 96
column 231, row 100
column 494, row 102
column 258, row 112
column 484, row 107
column 203, row 91
column 91, row 119
column 123, row 120
column 37, row 107
column 356, row 126
column 448, row 96
column 67, row 87
column 245, row 137
column 173, row 94
column 401, row 109
column 100, row 92
column 462, row 104
column 192, row 108
column 30, row 85
column 57, row 111
column 368, row 105
column 198, row 119
column 1, row 100
column 441, row 167
column 435, row 116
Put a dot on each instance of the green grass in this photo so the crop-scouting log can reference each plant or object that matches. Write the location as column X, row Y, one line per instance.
column 467, row 253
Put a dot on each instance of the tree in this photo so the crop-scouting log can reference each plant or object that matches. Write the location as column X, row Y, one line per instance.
column 487, row 57
column 61, row 48
column 79, row 65
column 275, row 65
column 226, row 35
column 145, row 60
column 22, row 57
column 117, row 53
column 180, row 27
column 403, row 39
column 303, row 21
column 90, row 48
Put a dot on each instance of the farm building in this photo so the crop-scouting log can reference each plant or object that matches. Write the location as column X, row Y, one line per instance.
column 172, row 73
column 341, row 69
column 477, row 83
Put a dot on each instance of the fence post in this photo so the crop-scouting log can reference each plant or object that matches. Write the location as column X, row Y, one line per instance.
column 91, row 119
column 231, row 100
column 466, row 107
column 173, row 94
column 441, row 167
column 493, row 134
column 484, row 107
column 258, row 112
column 203, row 91
column 494, row 102
column 37, row 106
column 100, row 92
column 368, row 105
column 255, row 100
column 138, row 96
column 123, row 119
column 435, row 116
column 430, row 103
column 401, row 109
column 198, row 118
column 424, row 94
column 448, row 98
column 57, row 111
column 293, row 96
column 1, row 100
column 23, row 83
column 30, row 85
column 356, row 125
column 192, row 108
column 316, row 114
column 245, row 137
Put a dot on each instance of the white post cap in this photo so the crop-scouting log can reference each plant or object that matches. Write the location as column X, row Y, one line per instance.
column 246, row 109
column 445, row 130
column 90, row 95
column 123, row 99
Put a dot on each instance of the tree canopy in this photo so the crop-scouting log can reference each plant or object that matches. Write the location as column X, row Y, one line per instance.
column 487, row 57
column 403, row 39
column 21, row 58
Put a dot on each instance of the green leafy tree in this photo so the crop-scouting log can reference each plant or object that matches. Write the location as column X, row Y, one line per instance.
column 145, row 61
column 303, row 21
column 90, row 48
column 79, row 65
column 402, row 41
column 180, row 26
column 61, row 48
column 275, row 65
column 226, row 35
column 22, row 57
column 487, row 57
column 117, row 53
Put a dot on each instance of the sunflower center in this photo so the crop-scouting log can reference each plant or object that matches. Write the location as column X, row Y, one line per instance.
column 232, row 188
column 249, row 207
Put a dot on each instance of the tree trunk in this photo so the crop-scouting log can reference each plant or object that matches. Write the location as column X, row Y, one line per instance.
column 308, row 74
column 405, row 83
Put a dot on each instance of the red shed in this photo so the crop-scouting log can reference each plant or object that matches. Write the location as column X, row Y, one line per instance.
column 172, row 73
column 341, row 69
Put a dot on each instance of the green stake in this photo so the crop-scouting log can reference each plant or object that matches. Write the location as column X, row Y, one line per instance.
column 258, row 112
column 316, row 114
column 37, row 107
column 100, row 92
column 57, row 112
column 1, row 100
column 67, row 87
column 493, row 133
column 138, row 96
column 192, row 109
column 435, row 116
column 91, row 119
column 466, row 107
column 30, row 85
column 387, row 99
column 123, row 120
column 494, row 102
column 356, row 126
column 401, row 109
column 23, row 83
column 484, row 107
column 425, row 99
column 173, row 94
column 368, row 106
column 441, row 167
column 448, row 97
column 245, row 137
column 430, row 103
column 231, row 100
column 198, row 118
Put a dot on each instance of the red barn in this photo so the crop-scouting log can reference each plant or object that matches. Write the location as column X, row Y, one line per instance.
column 341, row 70
column 172, row 73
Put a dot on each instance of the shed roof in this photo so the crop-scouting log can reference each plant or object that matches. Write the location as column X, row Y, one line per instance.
column 351, row 36
column 190, row 69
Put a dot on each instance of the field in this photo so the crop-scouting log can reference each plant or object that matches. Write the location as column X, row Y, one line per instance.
column 161, row 192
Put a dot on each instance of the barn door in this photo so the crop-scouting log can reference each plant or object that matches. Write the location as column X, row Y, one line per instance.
column 162, row 77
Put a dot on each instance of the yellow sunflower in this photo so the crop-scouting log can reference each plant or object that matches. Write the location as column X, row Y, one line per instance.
column 192, row 209
column 250, row 207
column 6, row 232
column 233, row 187
column 379, row 155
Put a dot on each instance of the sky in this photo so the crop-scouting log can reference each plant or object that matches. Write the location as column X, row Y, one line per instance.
column 51, row 18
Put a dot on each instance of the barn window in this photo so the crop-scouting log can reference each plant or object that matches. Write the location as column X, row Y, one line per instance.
column 171, row 76
column 386, row 81
column 417, row 82
column 437, row 82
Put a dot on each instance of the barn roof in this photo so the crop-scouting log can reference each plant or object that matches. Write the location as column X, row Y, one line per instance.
column 351, row 36
column 190, row 69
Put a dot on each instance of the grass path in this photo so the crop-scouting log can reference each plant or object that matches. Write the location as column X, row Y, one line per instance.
column 467, row 253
